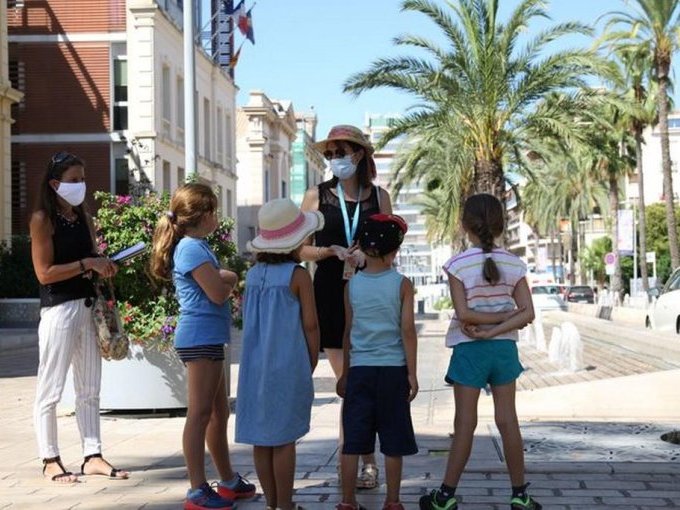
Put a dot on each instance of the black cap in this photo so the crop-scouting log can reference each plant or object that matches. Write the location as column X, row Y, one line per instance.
column 381, row 234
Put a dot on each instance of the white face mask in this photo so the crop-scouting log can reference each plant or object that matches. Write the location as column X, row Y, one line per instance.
column 72, row 192
column 343, row 168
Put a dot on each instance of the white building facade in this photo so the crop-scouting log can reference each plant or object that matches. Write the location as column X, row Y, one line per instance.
column 153, row 145
column 265, row 131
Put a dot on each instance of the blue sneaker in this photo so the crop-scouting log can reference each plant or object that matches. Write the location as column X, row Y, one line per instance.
column 204, row 497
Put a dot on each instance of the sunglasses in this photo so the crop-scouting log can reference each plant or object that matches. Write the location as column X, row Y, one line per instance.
column 336, row 154
column 60, row 158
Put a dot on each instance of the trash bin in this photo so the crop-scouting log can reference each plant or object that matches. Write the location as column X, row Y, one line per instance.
column 421, row 307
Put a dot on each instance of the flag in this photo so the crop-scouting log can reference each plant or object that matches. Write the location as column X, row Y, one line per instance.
column 246, row 26
column 238, row 14
column 234, row 58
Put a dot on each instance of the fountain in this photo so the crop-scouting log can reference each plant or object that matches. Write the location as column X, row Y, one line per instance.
column 566, row 347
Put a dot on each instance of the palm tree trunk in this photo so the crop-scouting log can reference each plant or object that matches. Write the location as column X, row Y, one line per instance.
column 574, row 252
column 642, row 215
column 662, row 70
column 489, row 178
column 615, row 286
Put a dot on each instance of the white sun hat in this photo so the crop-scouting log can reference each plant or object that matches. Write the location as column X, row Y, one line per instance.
column 283, row 226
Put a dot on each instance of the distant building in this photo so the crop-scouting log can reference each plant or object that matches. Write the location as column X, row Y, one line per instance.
column 9, row 95
column 651, row 162
column 265, row 131
column 308, row 163
column 104, row 80
column 418, row 258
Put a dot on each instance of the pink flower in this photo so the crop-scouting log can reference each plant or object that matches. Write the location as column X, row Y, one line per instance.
column 123, row 199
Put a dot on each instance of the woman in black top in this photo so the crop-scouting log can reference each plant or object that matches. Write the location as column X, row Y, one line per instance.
column 345, row 201
column 65, row 259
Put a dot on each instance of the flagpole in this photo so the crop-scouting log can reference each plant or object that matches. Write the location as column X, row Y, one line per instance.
column 189, row 90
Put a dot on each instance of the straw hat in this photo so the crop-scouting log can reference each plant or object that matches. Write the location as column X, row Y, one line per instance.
column 283, row 227
column 348, row 134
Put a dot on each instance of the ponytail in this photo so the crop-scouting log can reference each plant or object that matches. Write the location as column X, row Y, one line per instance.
column 490, row 269
column 165, row 238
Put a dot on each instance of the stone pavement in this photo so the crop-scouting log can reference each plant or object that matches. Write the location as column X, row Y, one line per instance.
column 590, row 444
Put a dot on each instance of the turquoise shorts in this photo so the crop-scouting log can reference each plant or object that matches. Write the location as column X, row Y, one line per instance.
column 483, row 362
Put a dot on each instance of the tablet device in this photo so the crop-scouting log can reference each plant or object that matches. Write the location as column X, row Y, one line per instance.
column 129, row 253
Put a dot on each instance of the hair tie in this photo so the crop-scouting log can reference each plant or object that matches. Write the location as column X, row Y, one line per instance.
column 170, row 215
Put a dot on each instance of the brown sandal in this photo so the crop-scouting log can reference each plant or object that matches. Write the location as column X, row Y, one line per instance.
column 58, row 476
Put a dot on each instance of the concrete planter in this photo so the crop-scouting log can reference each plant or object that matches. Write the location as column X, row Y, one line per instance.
column 19, row 312
column 146, row 379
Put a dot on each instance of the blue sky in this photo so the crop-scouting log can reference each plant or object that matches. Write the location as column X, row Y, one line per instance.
column 306, row 49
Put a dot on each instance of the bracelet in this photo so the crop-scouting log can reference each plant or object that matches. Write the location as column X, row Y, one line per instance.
column 82, row 266
column 318, row 253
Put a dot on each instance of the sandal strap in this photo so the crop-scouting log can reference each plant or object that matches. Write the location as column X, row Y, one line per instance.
column 87, row 459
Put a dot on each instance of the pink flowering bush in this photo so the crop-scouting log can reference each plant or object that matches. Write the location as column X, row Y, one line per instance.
column 147, row 307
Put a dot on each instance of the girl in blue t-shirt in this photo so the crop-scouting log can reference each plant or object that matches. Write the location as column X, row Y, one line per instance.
column 181, row 252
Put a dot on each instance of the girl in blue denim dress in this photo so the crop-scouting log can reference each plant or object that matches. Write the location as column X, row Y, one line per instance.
column 280, row 348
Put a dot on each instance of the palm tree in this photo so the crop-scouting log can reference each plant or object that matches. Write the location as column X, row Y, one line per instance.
column 482, row 89
column 446, row 171
column 637, row 66
column 653, row 27
column 564, row 186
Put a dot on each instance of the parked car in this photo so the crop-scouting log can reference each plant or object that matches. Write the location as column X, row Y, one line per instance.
column 547, row 297
column 580, row 294
column 664, row 314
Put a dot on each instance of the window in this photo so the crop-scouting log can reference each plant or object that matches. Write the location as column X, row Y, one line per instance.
column 122, row 183
column 220, row 133
column 166, row 176
column 206, row 128
column 180, row 110
column 180, row 176
column 166, row 103
column 229, row 211
column 266, row 185
column 19, row 197
column 17, row 77
column 284, row 189
column 227, row 138
column 120, row 94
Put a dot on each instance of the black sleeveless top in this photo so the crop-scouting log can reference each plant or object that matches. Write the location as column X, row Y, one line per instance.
column 329, row 286
column 71, row 241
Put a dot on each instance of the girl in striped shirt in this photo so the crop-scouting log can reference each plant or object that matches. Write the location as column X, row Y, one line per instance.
column 492, row 302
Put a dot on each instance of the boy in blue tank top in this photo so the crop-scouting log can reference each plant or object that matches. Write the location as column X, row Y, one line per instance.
column 379, row 370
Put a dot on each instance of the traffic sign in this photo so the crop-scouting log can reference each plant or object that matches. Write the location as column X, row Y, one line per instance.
column 650, row 257
column 610, row 258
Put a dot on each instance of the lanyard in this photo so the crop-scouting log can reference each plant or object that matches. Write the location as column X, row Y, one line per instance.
column 350, row 229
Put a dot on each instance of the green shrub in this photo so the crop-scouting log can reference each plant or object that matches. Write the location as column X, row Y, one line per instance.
column 443, row 303
column 148, row 307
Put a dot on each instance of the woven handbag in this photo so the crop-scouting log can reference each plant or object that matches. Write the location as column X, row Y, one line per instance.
column 111, row 338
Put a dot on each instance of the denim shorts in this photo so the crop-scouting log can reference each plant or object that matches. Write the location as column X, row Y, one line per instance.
column 376, row 402
column 482, row 362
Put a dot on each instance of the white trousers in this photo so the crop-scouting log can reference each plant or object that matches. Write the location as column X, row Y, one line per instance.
column 67, row 336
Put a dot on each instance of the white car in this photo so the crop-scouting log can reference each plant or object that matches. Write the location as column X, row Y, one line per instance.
column 664, row 314
column 547, row 297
